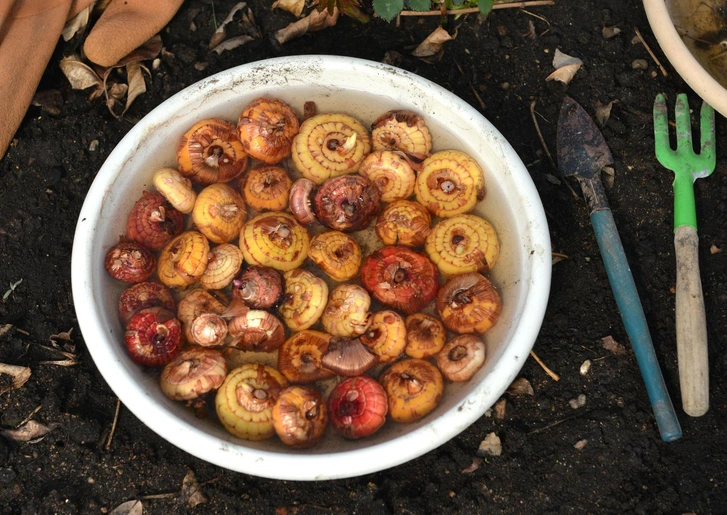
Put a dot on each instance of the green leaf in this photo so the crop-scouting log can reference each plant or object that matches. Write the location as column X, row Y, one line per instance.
column 419, row 5
column 388, row 9
column 485, row 6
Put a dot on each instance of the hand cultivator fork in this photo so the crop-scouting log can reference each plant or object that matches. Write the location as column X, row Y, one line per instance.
column 688, row 166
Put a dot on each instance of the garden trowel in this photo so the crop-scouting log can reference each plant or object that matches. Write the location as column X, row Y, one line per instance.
column 583, row 152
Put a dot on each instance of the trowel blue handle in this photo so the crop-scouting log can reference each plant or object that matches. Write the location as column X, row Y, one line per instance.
column 632, row 314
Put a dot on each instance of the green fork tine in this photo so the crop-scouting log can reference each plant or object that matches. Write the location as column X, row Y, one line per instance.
column 688, row 166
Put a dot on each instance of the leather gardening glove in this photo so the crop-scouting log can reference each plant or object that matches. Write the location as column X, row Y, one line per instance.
column 30, row 31
column 126, row 25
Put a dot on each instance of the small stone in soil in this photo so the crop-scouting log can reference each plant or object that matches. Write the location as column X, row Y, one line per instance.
column 578, row 402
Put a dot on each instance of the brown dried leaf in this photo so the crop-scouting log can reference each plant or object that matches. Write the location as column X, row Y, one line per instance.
column 520, row 386
column 561, row 59
column 603, row 112
column 76, row 24
column 292, row 6
column 613, row 346
column 609, row 176
column 500, row 408
column 61, row 363
column 191, row 490
column 565, row 66
column 145, row 52
column 609, row 32
column 231, row 43
column 137, row 84
column 31, row 431
column 476, row 462
column 117, row 90
column 128, row 508
column 564, row 74
column 433, row 43
column 558, row 257
column 714, row 249
column 79, row 74
column 4, row 329
column 221, row 33
column 66, row 337
column 19, row 374
column 316, row 20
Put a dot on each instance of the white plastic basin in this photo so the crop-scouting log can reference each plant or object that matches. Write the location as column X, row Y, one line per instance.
column 366, row 90
column 688, row 32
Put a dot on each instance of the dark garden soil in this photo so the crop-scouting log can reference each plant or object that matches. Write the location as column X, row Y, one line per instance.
column 605, row 456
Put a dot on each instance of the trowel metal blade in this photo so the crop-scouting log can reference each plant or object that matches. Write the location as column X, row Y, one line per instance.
column 582, row 150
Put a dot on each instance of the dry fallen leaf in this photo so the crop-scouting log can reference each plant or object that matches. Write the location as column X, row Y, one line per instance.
column 603, row 112
column 609, row 32
column 7, row 327
column 19, row 374
column 500, row 408
column 231, row 43
column 490, row 446
column 612, row 345
column 564, row 74
column 316, row 20
column 79, row 74
column 609, row 175
column 62, row 336
column 558, row 257
column 561, row 59
column 221, row 33
column 191, row 490
column 292, row 6
column 31, row 431
column 117, row 90
column 714, row 249
column 137, row 84
column 145, row 52
column 520, row 386
column 433, row 43
column 61, row 362
column 128, row 508
column 565, row 66
column 476, row 462
column 77, row 23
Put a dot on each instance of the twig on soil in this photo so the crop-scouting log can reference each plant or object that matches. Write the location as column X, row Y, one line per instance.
column 472, row 87
column 159, row 496
column 540, row 135
column 553, row 424
column 473, row 10
column 541, row 18
column 653, row 56
column 552, row 374
column 113, row 425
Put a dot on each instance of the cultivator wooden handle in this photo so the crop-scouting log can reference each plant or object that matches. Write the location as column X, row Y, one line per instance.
column 691, row 324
